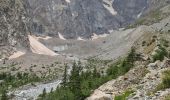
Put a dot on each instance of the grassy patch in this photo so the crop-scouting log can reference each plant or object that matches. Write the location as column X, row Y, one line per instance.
column 165, row 81
column 167, row 97
column 124, row 95
column 152, row 17
column 164, row 42
column 160, row 54
column 164, row 84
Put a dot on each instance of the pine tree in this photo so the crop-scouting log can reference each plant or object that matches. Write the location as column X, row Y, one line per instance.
column 44, row 92
column 131, row 57
column 95, row 72
column 64, row 81
column 75, row 85
column 78, row 91
column 4, row 95
column 51, row 90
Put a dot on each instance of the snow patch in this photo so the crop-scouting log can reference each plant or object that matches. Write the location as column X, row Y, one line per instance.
column 110, row 31
column 108, row 5
column 138, row 16
column 61, row 36
column 39, row 48
column 81, row 39
column 68, row 1
column 95, row 36
column 17, row 54
column 44, row 38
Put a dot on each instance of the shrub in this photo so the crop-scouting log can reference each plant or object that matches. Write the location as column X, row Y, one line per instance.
column 143, row 43
column 166, row 79
column 165, row 82
column 167, row 97
column 4, row 95
column 165, row 43
column 124, row 95
column 160, row 54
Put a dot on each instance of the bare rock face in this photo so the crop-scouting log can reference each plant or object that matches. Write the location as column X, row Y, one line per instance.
column 74, row 18
column 130, row 10
column 155, row 4
column 71, row 19
column 82, row 18
column 14, row 25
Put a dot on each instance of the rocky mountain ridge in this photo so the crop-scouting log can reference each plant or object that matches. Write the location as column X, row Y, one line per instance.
column 71, row 18
column 82, row 18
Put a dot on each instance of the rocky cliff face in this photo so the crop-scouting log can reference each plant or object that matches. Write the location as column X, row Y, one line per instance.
column 14, row 25
column 74, row 18
column 71, row 19
column 130, row 10
column 155, row 4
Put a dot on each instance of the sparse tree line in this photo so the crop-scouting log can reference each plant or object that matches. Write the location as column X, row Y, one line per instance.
column 10, row 81
column 80, row 84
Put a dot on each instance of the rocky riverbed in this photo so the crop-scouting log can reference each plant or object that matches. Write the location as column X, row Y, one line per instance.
column 32, row 92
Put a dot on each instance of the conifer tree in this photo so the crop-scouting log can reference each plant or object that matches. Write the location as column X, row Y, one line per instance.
column 75, row 85
column 64, row 81
column 95, row 72
column 131, row 57
column 4, row 95
column 44, row 92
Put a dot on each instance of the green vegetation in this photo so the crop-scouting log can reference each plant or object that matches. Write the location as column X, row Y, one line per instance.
column 165, row 81
column 164, row 42
column 4, row 95
column 164, row 84
column 167, row 97
column 150, row 18
column 94, row 62
column 80, row 84
column 160, row 54
column 124, row 95
column 121, row 67
column 13, row 81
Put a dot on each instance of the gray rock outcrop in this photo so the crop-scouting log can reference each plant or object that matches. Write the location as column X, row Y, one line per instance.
column 14, row 25
column 74, row 18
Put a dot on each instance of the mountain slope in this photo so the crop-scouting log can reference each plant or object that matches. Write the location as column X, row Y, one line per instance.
column 83, row 17
column 14, row 26
column 145, row 79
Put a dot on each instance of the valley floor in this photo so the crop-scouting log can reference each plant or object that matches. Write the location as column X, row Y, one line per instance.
column 48, row 56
